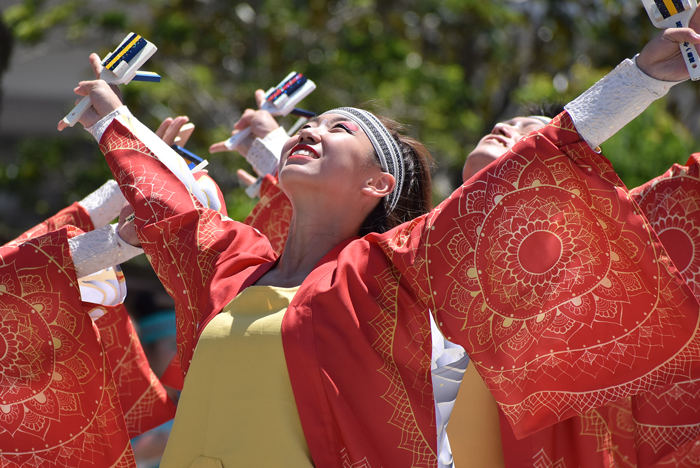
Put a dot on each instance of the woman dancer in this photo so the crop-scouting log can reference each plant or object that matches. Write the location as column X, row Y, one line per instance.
column 529, row 267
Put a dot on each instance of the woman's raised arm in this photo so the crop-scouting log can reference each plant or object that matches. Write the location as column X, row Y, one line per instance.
column 550, row 276
column 186, row 242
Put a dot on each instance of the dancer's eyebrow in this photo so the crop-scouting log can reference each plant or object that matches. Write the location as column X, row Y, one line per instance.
column 332, row 120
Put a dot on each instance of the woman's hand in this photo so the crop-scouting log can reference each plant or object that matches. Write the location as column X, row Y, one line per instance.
column 96, row 65
column 169, row 129
column 126, row 227
column 661, row 58
column 245, row 178
column 260, row 122
column 103, row 97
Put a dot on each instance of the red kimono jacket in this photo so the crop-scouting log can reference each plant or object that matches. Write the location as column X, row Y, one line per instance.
column 667, row 421
column 59, row 404
column 658, row 428
column 135, row 401
column 543, row 268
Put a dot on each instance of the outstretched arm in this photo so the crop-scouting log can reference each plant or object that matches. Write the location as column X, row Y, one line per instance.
column 187, row 243
column 624, row 94
column 549, row 275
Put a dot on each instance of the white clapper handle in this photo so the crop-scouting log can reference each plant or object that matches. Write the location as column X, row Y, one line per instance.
column 237, row 139
column 692, row 60
column 78, row 111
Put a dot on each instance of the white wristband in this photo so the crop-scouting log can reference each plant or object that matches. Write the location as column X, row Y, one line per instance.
column 104, row 204
column 614, row 101
column 101, row 125
column 100, row 249
column 264, row 154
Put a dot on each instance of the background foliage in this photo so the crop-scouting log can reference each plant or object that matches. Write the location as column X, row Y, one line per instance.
column 449, row 68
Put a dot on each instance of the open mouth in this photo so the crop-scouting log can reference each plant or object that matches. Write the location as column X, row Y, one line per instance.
column 304, row 151
column 497, row 139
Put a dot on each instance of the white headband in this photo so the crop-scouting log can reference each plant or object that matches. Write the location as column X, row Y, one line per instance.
column 385, row 146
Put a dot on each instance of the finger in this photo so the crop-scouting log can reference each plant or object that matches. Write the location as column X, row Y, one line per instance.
column 96, row 64
column 84, row 87
column 244, row 121
column 185, row 133
column 61, row 125
column 81, row 90
column 219, row 147
column 117, row 91
column 245, row 178
column 681, row 35
column 164, row 125
column 259, row 97
column 174, row 129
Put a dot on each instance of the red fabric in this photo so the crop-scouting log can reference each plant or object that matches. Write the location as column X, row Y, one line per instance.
column 272, row 214
column 59, row 403
column 142, row 397
column 74, row 215
column 553, row 332
column 667, row 421
column 45, row 418
column 658, row 428
column 172, row 376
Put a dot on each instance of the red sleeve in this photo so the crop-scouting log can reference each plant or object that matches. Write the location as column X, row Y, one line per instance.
column 668, row 419
column 172, row 376
column 143, row 399
column 74, row 215
column 671, row 203
column 601, row 438
column 660, row 426
column 59, row 402
column 272, row 215
column 192, row 249
column 549, row 275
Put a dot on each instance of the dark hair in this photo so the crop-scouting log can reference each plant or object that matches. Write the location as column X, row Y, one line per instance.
column 544, row 108
column 416, row 196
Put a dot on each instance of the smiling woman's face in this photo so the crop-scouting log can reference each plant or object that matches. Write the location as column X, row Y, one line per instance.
column 502, row 138
column 330, row 153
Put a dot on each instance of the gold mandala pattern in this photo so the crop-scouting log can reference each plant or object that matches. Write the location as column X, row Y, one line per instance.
column 412, row 438
column 50, row 360
column 556, row 279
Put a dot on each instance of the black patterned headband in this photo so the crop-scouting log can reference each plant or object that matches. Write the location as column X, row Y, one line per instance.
column 386, row 147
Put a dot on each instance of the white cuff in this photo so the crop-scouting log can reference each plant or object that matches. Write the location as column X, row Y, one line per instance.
column 264, row 154
column 104, row 204
column 100, row 249
column 101, row 125
column 614, row 101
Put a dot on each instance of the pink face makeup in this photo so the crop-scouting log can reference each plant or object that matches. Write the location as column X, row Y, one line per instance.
column 351, row 125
